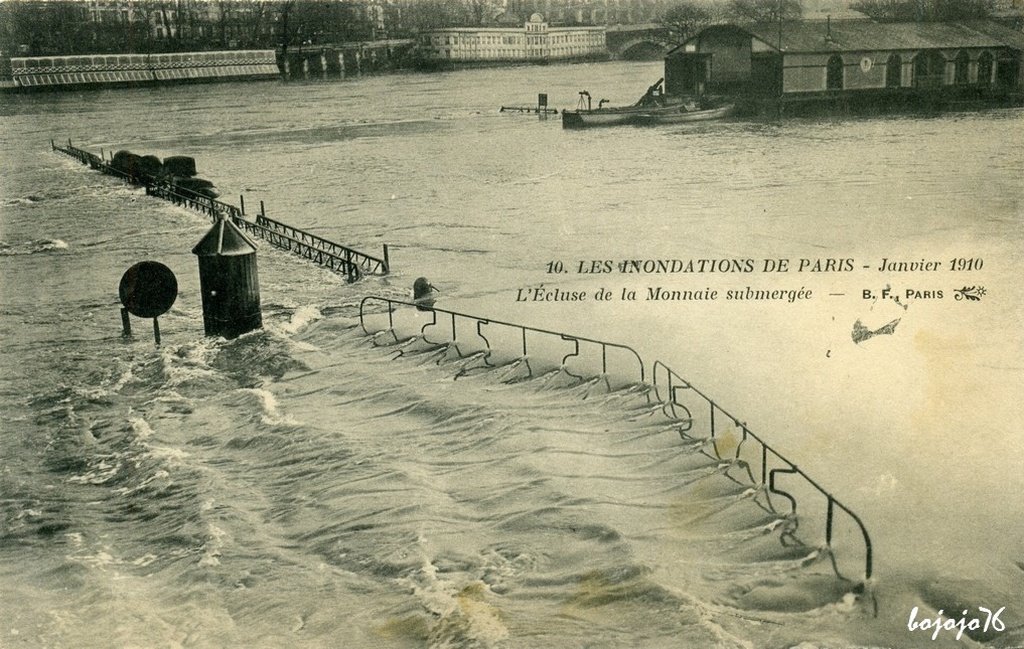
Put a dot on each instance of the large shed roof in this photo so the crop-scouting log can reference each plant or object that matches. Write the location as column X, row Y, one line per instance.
column 859, row 35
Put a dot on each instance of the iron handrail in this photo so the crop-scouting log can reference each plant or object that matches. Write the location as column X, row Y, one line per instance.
column 368, row 262
column 480, row 322
column 674, row 382
column 767, row 476
column 206, row 204
column 290, row 244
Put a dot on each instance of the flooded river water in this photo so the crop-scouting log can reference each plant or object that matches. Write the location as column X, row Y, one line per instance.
column 302, row 486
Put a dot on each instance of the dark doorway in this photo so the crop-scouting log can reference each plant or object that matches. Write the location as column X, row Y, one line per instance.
column 963, row 61
column 687, row 73
column 929, row 70
column 1007, row 71
column 766, row 74
column 985, row 62
column 834, row 73
column 894, row 71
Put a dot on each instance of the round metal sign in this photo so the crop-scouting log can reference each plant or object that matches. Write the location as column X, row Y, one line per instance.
column 865, row 64
column 148, row 289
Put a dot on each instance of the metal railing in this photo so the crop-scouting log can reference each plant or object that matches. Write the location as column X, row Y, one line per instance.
column 368, row 263
column 763, row 466
column 771, row 462
column 193, row 200
column 302, row 249
column 522, row 333
column 352, row 263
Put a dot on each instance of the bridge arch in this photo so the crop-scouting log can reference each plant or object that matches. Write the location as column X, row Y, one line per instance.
column 642, row 48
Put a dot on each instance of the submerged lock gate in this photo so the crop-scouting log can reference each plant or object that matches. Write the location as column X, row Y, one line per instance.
column 480, row 343
column 341, row 259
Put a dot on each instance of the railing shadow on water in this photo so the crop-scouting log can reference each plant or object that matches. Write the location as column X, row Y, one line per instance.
column 484, row 343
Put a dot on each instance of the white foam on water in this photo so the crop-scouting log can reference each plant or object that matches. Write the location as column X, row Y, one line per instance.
column 463, row 609
column 102, row 472
column 141, row 428
column 213, row 546
column 301, row 318
column 32, row 247
column 270, row 410
column 52, row 244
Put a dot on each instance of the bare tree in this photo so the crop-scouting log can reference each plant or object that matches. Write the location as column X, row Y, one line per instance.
column 764, row 11
column 685, row 18
column 924, row 10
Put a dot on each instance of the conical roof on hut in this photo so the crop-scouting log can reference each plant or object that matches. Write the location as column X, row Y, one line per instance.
column 224, row 239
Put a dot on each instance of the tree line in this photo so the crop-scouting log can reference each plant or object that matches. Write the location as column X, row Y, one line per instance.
column 50, row 27
column 686, row 17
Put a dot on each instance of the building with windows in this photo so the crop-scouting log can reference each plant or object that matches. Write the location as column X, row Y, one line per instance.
column 118, row 70
column 536, row 40
column 850, row 62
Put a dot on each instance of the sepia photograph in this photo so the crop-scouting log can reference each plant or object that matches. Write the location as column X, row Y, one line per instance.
column 511, row 324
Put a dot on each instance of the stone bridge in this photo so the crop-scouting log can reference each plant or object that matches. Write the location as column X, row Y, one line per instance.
column 311, row 62
column 648, row 41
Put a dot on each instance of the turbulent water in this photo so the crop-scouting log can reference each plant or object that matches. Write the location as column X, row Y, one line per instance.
column 309, row 485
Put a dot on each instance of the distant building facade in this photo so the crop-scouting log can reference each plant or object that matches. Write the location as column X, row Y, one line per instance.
column 848, row 60
column 536, row 40
column 106, row 70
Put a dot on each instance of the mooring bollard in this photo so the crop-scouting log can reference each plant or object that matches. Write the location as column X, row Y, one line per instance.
column 423, row 293
column 228, row 280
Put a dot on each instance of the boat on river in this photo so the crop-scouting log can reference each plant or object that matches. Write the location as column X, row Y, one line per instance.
column 683, row 115
column 653, row 108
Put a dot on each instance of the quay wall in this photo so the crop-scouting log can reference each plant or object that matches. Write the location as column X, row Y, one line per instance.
column 104, row 70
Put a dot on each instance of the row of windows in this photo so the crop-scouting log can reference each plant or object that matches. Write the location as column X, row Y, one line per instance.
column 929, row 69
column 521, row 47
column 139, row 59
column 494, row 54
column 515, row 39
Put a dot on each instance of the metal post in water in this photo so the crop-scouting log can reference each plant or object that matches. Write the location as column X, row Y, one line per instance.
column 241, row 200
column 387, row 261
column 126, row 323
column 263, row 210
column 53, row 147
column 156, row 330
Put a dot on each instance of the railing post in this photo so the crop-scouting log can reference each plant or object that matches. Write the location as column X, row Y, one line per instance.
column 764, row 464
column 828, row 522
